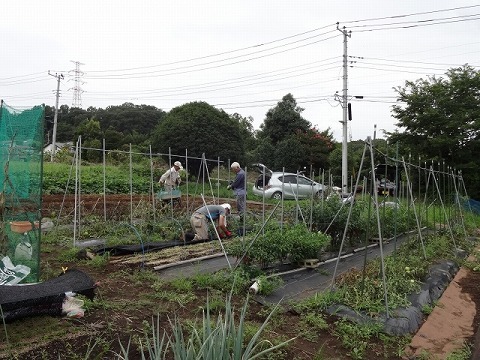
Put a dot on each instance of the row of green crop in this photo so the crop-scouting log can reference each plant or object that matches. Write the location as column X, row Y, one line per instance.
column 61, row 178
column 330, row 217
column 120, row 179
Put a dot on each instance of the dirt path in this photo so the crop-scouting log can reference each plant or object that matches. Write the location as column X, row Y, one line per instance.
column 453, row 322
column 116, row 204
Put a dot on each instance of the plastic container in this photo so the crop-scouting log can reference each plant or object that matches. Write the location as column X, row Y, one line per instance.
column 23, row 226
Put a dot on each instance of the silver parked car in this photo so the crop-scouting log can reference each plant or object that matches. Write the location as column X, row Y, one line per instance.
column 273, row 184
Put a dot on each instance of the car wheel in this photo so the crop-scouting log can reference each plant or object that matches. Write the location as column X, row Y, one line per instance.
column 318, row 195
column 277, row 195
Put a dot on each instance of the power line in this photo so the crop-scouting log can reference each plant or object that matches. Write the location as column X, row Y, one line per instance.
column 223, row 59
column 417, row 24
column 283, row 39
column 265, row 75
column 411, row 14
column 221, row 53
column 217, row 62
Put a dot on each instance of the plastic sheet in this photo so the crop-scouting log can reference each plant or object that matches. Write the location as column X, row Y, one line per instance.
column 11, row 274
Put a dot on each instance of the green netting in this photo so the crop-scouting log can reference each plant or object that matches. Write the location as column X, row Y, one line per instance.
column 21, row 154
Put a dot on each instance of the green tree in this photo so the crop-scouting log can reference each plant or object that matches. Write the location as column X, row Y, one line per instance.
column 279, row 145
column 129, row 118
column 69, row 119
column 441, row 118
column 264, row 153
column 317, row 146
column 113, row 139
column 354, row 159
column 89, row 129
column 246, row 129
column 290, row 154
column 92, row 136
column 250, row 140
column 283, row 120
column 200, row 129
column 127, row 123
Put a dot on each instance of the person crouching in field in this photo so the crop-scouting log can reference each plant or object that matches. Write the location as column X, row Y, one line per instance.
column 203, row 215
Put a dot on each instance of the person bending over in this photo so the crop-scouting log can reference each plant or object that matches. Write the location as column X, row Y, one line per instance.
column 203, row 215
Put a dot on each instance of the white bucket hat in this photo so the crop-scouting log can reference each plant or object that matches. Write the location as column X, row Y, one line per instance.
column 226, row 206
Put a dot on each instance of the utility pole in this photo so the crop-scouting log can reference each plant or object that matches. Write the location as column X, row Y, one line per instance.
column 346, row 35
column 55, row 118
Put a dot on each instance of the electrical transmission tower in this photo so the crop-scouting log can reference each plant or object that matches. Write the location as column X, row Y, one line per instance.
column 77, row 90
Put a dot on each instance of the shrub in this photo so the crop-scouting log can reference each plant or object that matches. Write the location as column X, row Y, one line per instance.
column 277, row 244
column 305, row 244
column 331, row 216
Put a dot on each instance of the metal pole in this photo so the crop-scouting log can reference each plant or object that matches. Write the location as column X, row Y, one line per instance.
column 54, row 134
column 130, row 180
column 152, row 186
column 346, row 35
column 104, row 183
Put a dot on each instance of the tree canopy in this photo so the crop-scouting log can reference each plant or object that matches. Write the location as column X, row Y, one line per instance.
column 283, row 120
column 287, row 140
column 441, row 118
column 201, row 129
column 119, row 125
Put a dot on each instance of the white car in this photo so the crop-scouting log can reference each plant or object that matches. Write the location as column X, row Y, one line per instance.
column 274, row 184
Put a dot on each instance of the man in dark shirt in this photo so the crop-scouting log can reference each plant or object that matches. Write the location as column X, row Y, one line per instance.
column 238, row 187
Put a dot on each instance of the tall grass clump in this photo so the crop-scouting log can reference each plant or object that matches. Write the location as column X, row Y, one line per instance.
column 217, row 337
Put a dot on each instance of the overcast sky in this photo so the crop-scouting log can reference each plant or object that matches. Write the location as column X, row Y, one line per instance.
column 240, row 56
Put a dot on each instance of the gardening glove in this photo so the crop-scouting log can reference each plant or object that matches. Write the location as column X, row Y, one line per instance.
column 228, row 234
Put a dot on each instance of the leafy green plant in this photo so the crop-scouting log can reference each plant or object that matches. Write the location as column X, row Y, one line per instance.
column 56, row 177
column 278, row 245
column 268, row 284
column 152, row 347
column 223, row 280
column 182, row 284
column 310, row 324
column 355, row 337
column 331, row 216
column 305, row 244
column 99, row 261
column 427, row 309
column 473, row 263
column 319, row 301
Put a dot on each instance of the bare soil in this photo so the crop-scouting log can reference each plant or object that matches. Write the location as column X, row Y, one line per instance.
column 126, row 304
column 454, row 321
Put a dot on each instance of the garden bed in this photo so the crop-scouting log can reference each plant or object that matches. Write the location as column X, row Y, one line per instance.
column 129, row 296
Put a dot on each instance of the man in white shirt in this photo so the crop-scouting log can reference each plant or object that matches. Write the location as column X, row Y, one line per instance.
column 171, row 178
